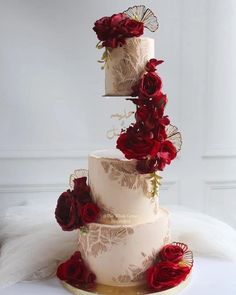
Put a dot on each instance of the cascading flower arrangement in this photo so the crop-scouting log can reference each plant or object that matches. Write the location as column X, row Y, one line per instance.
column 151, row 140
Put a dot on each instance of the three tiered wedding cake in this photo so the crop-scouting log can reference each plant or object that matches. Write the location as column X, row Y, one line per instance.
column 124, row 236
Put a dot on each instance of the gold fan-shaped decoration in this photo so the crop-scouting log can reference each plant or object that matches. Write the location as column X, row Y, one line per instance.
column 188, row 254
column 174, row 136
column 145, row 15
column 77, row 174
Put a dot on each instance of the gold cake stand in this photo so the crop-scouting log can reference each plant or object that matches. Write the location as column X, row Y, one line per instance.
column 135, row 290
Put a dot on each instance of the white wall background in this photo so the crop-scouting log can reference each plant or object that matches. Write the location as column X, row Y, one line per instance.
column 52, row 114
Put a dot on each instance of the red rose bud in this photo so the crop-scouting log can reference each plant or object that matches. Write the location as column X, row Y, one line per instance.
column 173, row 253
column 81, row 190
column 165, row 275
column 66, row 212
column 80, row 184
column 164, row 121
column 89, row 212
column 152, row 64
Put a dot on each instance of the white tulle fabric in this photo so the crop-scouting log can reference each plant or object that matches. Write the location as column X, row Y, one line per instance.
column 32, row 244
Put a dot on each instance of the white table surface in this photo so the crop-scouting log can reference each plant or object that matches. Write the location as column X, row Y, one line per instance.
column 210, row 276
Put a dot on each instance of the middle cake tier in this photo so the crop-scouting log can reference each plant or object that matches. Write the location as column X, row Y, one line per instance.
column 123, row 194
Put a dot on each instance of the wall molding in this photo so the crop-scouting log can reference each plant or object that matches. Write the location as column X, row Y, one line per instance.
column 44, row 154
column 219, row 152
column 55, row 187
column 217, row 192
column 33, row 188
column 219, row 184
column 172, row 185
column 167, row 185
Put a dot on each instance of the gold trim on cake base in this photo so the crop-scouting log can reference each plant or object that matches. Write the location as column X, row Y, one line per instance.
column 135, row 290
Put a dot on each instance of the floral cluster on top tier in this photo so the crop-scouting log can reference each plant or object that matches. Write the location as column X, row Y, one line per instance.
column 75, row 208
column 173, row 264
column 151, row 140
column 112, row 31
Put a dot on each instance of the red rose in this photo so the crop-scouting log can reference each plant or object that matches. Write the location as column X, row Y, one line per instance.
column 148, row 87
column 132, row 28
column 137, row 143
column 89, row 212
column 74, row 272
column 165, row 275
column 166, row 154
column 116, row 37
column 66, row 212
column 109, row 30
column 72, row 269
column 115, row 29
column 102, row 28
column 170, row 252
column 152, row 64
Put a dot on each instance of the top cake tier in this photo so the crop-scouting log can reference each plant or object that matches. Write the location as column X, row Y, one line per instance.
column 117, row 188
column 126, row 65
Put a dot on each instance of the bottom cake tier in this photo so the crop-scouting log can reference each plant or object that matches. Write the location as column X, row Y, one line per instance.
column 120, row 254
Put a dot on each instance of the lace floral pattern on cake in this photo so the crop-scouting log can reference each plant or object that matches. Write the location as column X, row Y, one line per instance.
column 101, row 239
column 126, row 175
column 131, row 65
column 137, row 273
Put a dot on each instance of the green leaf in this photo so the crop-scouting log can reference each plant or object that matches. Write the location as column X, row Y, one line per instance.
column 84, row 229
